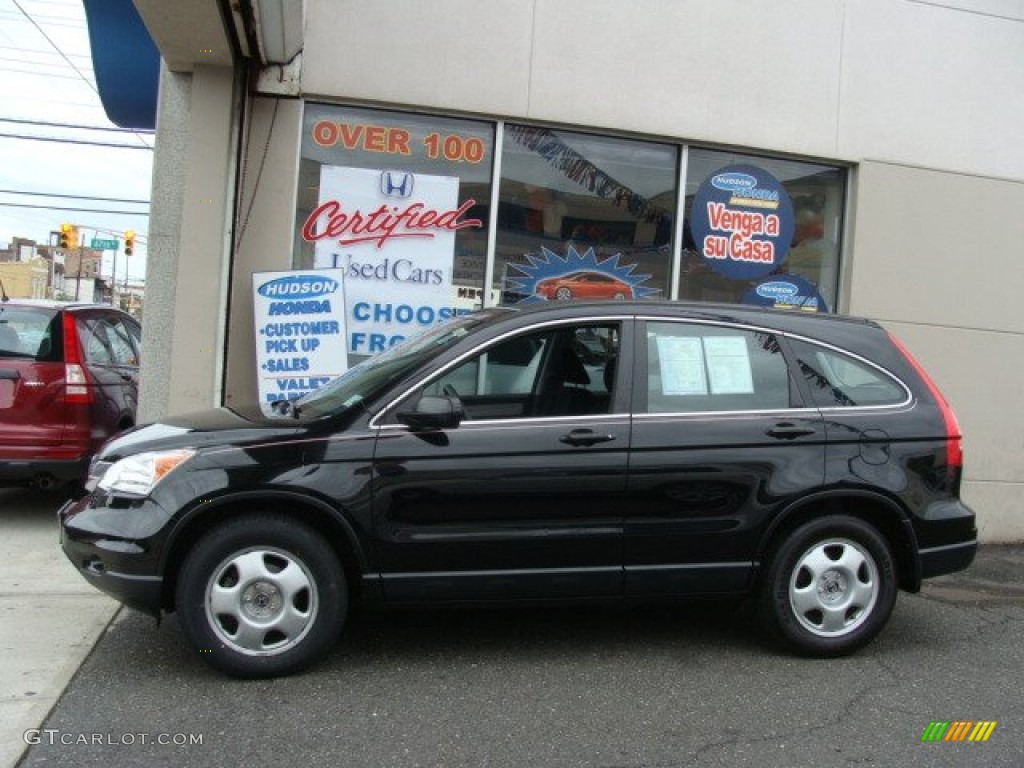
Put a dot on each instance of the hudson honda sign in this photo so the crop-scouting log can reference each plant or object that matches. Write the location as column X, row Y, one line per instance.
column 742, row 222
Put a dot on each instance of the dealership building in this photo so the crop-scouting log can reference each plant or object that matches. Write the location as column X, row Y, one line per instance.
column 862, row 158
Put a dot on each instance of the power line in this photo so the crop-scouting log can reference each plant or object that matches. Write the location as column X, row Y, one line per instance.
column 55, row 46
column 73, row 197
column 74, row 141
column 76, row 126
column 80, row 210
column 55, row 75
column 64, row 56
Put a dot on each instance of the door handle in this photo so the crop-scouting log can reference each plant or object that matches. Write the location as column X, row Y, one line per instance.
column 788, row 431
column 585, row 437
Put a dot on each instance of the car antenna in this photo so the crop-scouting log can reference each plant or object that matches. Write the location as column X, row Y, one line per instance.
column 3, row 292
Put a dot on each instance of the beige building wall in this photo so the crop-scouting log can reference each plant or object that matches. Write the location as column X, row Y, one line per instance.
column 923, row 100
column 934, row 260
column 936, row 83
column 189, row 238
column 264, row 235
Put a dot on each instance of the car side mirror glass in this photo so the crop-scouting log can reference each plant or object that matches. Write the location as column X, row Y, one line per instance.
column 433, row 413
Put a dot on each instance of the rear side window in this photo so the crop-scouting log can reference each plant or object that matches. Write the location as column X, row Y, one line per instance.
column 106, row 341
column 30, row 333
column 706, row 368
column 838, row 380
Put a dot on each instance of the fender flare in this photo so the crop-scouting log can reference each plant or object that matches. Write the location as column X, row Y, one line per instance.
column 911, row 560
column 201, row 509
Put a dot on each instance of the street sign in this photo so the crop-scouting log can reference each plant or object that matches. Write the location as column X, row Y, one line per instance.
column 104, row 245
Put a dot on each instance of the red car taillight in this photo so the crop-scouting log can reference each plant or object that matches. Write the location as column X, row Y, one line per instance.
column 954, row 448
column 77, row 387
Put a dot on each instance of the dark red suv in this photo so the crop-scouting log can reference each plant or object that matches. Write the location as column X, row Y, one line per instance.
column 68, row 381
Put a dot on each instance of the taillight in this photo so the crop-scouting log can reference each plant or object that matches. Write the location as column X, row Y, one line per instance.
column 954, row 448
column 77, row 387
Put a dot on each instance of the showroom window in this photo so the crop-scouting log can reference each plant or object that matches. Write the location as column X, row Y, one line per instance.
column 583, row 216
column 425, row 217
column 700, row 368
column 400, row 204
column 761, row 230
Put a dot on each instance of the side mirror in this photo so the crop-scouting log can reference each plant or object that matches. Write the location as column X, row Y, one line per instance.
column 434, row 413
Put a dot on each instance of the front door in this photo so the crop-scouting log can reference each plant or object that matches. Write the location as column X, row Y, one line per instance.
column 525, row 498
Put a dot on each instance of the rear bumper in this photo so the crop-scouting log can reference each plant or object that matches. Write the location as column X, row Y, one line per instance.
column 22, row 471
column 947, row 559
column 947, row 538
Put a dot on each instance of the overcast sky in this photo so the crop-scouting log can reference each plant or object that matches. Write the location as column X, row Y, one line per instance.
column 37, row 84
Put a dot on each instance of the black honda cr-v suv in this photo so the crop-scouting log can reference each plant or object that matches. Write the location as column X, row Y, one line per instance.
column 580, row 450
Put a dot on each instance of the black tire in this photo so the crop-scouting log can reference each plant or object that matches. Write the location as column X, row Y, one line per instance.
column 563, row 294
column 281, row 589
column 829, row 587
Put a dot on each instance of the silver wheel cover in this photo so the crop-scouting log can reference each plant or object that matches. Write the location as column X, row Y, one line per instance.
column 261, row 601
column 833, row 587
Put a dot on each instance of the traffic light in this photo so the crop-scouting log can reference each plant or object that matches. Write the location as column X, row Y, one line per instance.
column 129, row 241
column 68, row 237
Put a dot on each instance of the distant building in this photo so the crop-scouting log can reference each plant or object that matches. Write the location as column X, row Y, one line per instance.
column 25, row 279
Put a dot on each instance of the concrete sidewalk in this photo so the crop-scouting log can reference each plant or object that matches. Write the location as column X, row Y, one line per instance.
column 50, row 618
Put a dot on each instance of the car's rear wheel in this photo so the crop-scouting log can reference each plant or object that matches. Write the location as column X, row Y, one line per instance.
column 829, row 588
column 261, row 596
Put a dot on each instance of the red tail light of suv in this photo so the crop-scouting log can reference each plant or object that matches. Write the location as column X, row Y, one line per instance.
column 68, row 381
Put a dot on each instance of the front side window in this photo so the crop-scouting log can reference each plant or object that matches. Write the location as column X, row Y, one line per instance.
column 700, row 368
column 562, row 371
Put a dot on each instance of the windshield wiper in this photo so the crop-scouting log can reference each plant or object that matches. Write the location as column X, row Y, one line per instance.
column 286, row 406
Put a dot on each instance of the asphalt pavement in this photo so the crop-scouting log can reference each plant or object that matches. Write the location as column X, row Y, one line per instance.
column 538, row 687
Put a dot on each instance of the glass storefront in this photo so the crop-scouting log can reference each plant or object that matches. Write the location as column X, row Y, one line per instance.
column 807, row 203
column 401, row 203
column 583, row 216
column 424, row 146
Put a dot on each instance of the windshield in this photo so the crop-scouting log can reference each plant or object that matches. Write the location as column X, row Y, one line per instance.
column 370, row 376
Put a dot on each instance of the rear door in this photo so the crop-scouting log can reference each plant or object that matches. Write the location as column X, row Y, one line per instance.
column 32, row 408
column 721, row 441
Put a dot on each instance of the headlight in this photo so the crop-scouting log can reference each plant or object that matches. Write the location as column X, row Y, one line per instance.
column 137, row 475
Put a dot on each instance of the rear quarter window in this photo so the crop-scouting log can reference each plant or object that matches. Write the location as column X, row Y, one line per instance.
column 839, row 380
column 30, row 333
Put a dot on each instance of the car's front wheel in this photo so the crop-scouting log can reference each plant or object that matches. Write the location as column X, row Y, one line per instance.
column 261, row 595
column 829, row 588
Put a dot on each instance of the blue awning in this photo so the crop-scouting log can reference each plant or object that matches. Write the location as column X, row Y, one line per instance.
column 126, row 62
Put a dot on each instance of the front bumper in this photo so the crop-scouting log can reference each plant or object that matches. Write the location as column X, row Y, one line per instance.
column 117, row 550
